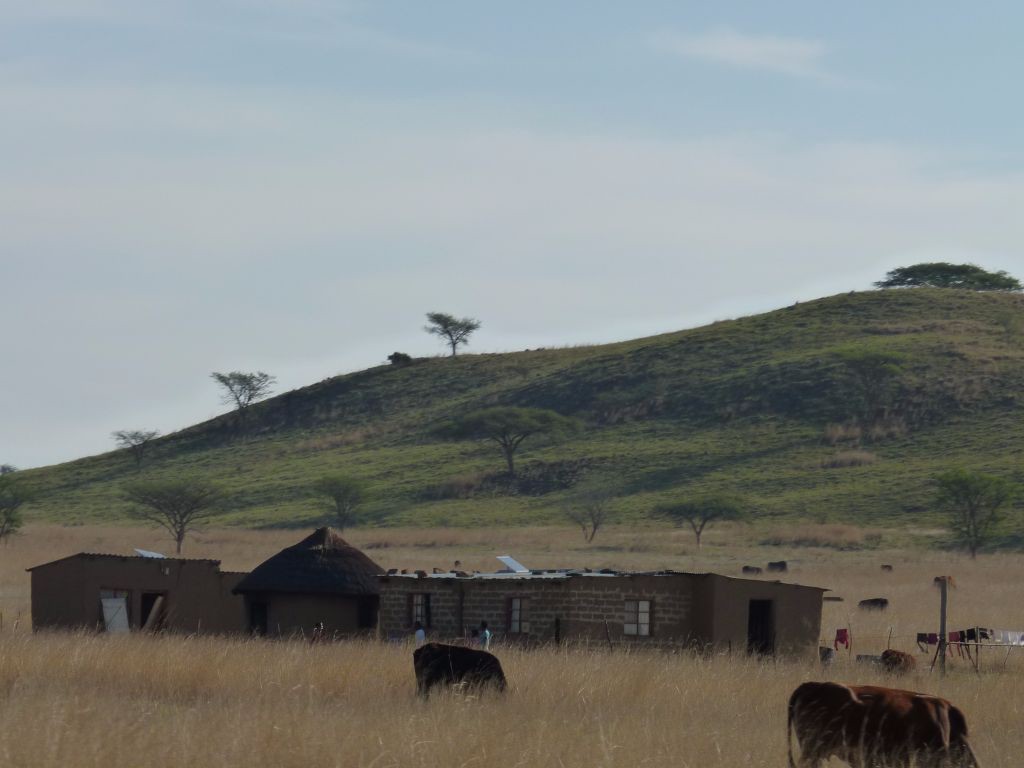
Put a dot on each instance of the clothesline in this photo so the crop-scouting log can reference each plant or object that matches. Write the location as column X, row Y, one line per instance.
column 974, row 636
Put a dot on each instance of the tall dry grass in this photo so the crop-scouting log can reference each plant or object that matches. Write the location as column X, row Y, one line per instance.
column 92, row 700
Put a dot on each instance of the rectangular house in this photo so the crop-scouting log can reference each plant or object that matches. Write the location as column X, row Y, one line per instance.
column 122, row 593
column 707, row 611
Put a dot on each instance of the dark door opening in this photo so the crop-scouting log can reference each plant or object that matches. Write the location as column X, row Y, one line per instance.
column 258, row 617
column 366, row 611
column 761, row 628
column 153, row 607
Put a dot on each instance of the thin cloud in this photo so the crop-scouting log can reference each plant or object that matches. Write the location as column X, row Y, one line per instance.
column 790, row 56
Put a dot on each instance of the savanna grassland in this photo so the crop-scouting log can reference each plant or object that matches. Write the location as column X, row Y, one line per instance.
column 837, row 410
column 92, row 700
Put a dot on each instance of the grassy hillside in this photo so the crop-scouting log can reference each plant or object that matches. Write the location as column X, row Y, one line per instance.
column 841, row 409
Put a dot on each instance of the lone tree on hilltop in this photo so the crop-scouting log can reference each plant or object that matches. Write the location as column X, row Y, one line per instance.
column 703, row 511
column 588, row 508
column 941, row 274
column 13, row 495
column 136, row 441
column 508, row 427
column 177, row 506
column 243, row 389
column 344, row 495
column 455, row 331
column 974, row 501
column 6, row 469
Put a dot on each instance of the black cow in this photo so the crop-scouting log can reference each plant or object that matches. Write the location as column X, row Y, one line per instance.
column 779, row 566
column 752, row 570
column 439, row 664
column 874, row 604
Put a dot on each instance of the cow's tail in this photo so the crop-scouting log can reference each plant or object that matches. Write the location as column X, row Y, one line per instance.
column 789, row 729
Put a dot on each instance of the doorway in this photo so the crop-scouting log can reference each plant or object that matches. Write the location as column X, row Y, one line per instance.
column 258, row 617
column 152, row 619
column 761, row 628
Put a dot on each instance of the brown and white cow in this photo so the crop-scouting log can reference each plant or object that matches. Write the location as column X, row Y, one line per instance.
column 868, row 726
column 897, row 662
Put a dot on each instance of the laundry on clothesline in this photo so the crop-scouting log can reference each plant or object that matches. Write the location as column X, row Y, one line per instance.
column 842, row 638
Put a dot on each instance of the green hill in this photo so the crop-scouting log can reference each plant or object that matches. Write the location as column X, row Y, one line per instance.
column 840, row 409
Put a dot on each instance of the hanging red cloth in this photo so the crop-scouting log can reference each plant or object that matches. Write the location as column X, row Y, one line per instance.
column 842, row 638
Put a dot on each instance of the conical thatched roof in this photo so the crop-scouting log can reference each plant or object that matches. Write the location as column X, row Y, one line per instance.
column 322, row 562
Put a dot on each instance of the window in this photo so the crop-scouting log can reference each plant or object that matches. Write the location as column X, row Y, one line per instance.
column 637, row 620
column 419, row 609
column 519, row 615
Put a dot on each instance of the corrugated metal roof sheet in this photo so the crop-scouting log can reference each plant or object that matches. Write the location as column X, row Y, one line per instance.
column 111, row 556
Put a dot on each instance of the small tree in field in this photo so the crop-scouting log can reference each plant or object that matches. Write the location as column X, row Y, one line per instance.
column 13, row 495
column 136, row 441
column 589, row 509
column 703, row 511
column 243, row 389
column 941, row 274
column 344, row 495
column 177, row 506
column 6, row 469
column 454, row 331
column 508, row 427
column 974, row 502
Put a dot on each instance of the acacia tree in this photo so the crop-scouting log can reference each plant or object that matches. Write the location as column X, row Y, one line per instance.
column 136, row 441
column 974, row 502
column 243, row 389
column 177, row 506
column 876, row 375
column 589, row 509
column 344, row 495
column 13, row 495
column 941, row 274
column 508, row 427
column 455, row 331
column 703, row 511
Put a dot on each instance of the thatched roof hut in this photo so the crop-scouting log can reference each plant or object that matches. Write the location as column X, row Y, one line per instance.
column 322, row 563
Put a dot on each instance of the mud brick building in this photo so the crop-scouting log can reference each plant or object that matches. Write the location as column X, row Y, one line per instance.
column 707, row 611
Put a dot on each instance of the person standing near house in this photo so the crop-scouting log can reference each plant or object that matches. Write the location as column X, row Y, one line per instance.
column 484, row 636
column 421, row 634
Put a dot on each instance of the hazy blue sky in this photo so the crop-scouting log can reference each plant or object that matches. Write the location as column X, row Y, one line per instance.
column 289, row 185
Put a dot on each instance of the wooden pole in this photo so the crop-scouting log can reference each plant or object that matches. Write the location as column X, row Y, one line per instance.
column 943, row 586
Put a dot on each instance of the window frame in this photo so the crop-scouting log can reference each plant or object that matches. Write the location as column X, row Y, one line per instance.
column 421, row 612
column 637, row 617
column 519, row 615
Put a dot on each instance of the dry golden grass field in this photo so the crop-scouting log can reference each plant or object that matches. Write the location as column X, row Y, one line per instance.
column 92, row 700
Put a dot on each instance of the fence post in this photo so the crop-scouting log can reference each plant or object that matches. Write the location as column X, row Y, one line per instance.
column 943, row 585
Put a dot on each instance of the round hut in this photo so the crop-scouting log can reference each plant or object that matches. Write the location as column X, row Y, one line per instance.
column 322, row 579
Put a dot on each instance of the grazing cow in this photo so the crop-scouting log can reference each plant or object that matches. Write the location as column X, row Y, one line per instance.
column 779, row 566
column 439, row 664
column 874, row 604
column 869, row 726
column 897, row 662
column 887, row 568
column 751, row 569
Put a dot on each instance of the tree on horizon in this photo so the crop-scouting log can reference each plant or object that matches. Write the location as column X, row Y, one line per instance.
column 453, row 330
column 941, row 274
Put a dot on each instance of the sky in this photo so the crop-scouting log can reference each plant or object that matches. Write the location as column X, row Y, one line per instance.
column 290, row 185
